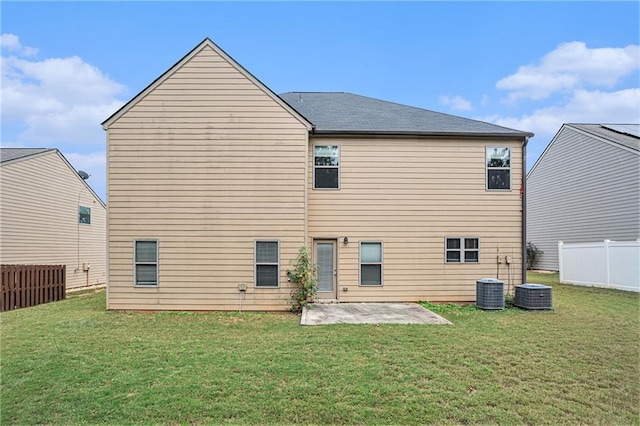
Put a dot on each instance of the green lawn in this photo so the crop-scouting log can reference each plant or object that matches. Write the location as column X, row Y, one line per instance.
column 73, row 362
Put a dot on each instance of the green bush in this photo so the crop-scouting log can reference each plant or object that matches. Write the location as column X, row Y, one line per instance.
column 533, row 255
column 305, row 277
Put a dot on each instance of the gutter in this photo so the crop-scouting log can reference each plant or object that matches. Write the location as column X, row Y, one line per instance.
column 524, row 209
column 357, row 133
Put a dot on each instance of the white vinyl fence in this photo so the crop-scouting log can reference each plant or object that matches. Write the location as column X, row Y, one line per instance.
column 611, row 264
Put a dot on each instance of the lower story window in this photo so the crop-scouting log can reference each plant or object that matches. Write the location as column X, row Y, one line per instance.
column 462, row 250
column 145, row 262
column 370, row 263
column 267, row 256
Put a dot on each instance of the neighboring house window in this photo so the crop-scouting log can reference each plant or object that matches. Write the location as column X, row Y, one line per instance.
column 84, row 215
column 146, row 262
column 326, row 167
column 462, row 250
column 370, row 263
column 267, row 263
column 499, row 168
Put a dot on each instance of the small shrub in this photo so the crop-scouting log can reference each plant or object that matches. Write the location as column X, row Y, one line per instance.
column 305, row 277
column 533, row 255
column 509, row 301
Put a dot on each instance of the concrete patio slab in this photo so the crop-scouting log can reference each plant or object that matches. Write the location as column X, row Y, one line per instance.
column 369, row 313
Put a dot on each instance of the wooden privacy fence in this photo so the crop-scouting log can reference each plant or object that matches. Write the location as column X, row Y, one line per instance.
column 31, row 285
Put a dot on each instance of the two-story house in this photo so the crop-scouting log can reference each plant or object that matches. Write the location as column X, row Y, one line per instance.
column 49, row 215
column 215, row 182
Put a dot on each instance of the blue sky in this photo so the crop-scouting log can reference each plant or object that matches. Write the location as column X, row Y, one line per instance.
column 66, row 66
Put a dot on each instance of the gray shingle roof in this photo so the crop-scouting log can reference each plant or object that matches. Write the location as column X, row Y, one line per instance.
column 8, row 154
column 337, row 112
column 622, row 134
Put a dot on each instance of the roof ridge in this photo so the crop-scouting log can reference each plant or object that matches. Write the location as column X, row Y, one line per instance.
column 328, row 112
column 22, row 147
column 29, row 152
column 435, row 112
column 608, row 134
column 313, row 91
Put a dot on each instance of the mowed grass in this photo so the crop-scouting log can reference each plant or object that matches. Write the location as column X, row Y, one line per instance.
column 72, row 362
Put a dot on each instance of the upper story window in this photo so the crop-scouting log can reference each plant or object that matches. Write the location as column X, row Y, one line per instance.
column 84, row 215
column 499, row 168
column 326, row 167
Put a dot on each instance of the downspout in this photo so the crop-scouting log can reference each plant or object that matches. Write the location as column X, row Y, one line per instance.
column 524, row 209
column 107, row 243
column 307, row 157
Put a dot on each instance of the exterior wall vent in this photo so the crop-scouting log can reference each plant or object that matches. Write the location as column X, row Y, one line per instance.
column 490, row 294
column 533, row 296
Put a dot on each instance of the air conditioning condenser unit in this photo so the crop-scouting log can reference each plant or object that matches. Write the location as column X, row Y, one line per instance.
column 490, row 294
column 534, row 296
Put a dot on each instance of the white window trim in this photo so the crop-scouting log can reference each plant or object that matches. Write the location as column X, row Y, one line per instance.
column 313, row 159
column 255, row 263
column 487, row 168
column 381, row 263
column 157, row 263
column 461, row 250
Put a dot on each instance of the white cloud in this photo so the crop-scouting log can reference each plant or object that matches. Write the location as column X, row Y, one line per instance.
column 13, row 144
column 571, row 66
column 74, row 124
column 622, row 106
column 57, row 103
column 91, row 163
column 59, row 99
column 456, row 103
column 12, row 43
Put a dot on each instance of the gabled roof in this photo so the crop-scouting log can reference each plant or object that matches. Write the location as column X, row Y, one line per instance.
column 344, row 113
column 205, row 43
column 9, row 154
column 627, row 135
column 15, row 155
column 619, row 135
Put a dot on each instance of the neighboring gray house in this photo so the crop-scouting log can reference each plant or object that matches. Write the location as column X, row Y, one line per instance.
column 585, row 187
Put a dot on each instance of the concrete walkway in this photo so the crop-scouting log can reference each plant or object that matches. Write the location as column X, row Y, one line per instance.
column 369, row 313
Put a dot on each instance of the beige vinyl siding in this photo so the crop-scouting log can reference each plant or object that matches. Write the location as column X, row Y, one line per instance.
column 206, row 163
column 411, row 194
column 39, row 219
column 582, row 190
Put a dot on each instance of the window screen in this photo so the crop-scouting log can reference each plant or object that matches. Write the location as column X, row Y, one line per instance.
column 267, row 264
column 370, row 263
column 462, row 250
column 146, row 263
column 498, row 168
column 326, row 167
